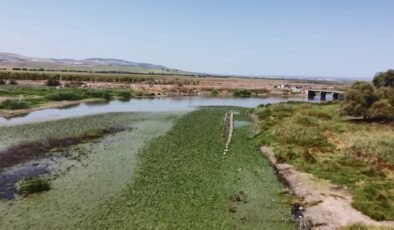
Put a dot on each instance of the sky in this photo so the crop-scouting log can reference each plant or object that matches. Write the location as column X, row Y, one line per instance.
column 338, row 38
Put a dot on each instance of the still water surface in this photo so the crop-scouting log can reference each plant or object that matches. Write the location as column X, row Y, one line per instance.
column 140, row 105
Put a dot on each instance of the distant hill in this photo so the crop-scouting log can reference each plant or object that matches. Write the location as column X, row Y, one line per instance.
column 12, row 60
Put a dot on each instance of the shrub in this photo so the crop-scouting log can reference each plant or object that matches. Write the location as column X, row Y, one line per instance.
column 242, row 93
column 125, row 94
column 52, row 82
column 358, row 99
column 13, row 82
column 384, row 79
column 381, row 109
column 214, row 92
column 99, row 94
column 14, row 104
column 63, row 96
column 107, row 96
column 33, row 185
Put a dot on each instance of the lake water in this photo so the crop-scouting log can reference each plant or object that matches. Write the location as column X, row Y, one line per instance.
column 140, row 105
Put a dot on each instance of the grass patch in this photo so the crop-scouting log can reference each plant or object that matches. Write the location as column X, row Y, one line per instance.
column 315, row 139
column 33, row 185
column 63, row 96
column 360, row 226
column 14, row 104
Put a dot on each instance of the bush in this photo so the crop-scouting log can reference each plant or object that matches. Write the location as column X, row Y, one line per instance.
column 384, row 79
column 381, row 109
column 371, row 101
column 214, row 92
column 63, row 96
column 99, row 94
column 52, row 82
column 13, row 82
column 125, row 95
column 107, row 96
column 14, row 104
column 33, row 185
column 358, row 99
column 242, row 93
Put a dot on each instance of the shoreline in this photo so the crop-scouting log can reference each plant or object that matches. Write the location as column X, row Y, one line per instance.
column 326, row 205
column 9, row 114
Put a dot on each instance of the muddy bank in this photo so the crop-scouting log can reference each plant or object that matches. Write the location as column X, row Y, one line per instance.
column 327, row 205
column 27, row 151
column 34, row 159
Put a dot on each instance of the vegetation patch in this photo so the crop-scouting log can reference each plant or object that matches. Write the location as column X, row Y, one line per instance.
column 24, row 152
column 14, row 104
column 314, row 138
column 63, row 96
column 33, row 185
column 182, row 182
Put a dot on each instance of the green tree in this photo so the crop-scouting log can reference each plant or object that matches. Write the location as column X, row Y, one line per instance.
column 387, row 93
column 381, row 109
column 358, row 99
column 384, row 79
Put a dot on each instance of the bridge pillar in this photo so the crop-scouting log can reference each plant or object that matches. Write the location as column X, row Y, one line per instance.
column 311, row 94
column 323, row 96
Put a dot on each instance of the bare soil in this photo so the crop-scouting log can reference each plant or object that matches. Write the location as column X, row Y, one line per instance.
column 223, row 85
column 327, row 205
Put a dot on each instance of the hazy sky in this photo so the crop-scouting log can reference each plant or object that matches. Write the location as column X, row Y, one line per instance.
column 351, row 38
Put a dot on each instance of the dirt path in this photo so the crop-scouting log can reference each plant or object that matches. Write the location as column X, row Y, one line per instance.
column 327, row 205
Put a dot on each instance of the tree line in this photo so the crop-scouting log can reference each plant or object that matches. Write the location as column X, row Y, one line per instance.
column 93, row 78
column 372, row 101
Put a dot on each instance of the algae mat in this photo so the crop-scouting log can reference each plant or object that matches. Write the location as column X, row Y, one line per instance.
column 105, row 171
column 162, row 175
column 183, row 182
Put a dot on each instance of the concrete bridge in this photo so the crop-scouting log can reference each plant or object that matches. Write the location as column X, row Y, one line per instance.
column 336, row 95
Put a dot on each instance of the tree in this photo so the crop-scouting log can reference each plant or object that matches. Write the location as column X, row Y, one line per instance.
column 358, row 99
column 387, row 93
column 384, row 79
column 381, row 109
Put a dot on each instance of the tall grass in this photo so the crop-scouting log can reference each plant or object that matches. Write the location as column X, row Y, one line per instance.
column 374, row 145
column 14, row 104
column 63, row 96
column 316, row 140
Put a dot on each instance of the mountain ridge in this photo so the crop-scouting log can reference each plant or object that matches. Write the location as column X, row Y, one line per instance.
column 12, row 60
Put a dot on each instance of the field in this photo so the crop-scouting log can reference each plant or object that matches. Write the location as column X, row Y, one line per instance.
column 173, row 84
column 348, row 152
column 166, row 171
